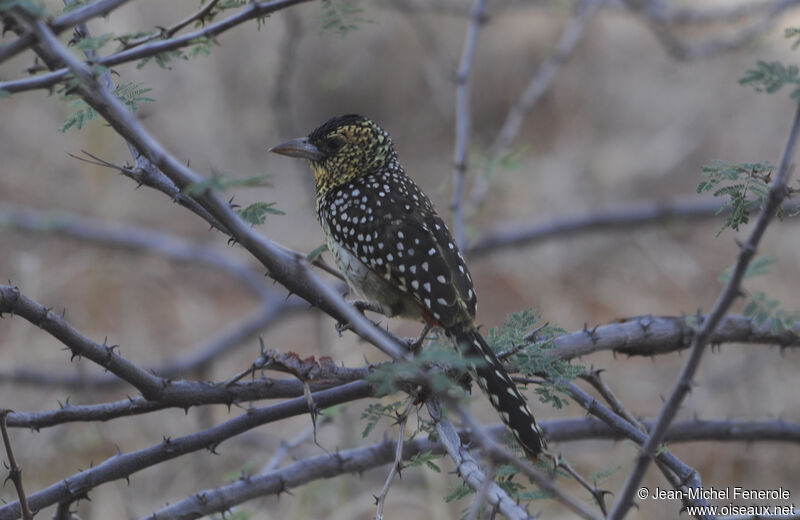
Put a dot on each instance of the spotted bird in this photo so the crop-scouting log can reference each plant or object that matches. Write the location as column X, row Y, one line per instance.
column 397, row 253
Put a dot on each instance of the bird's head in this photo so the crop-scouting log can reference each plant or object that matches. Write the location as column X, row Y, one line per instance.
column 342, row 149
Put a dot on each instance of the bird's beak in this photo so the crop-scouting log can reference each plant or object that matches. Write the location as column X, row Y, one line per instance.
column 299, row 148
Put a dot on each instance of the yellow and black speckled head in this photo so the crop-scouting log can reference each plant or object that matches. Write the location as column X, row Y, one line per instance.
column 341, row 150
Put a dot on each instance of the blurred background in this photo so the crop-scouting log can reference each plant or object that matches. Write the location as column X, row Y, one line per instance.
column 623, row 121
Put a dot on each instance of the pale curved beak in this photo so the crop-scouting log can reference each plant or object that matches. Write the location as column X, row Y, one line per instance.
column 299, row 148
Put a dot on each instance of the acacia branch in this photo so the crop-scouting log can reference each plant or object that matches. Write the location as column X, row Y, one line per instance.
column 131, row 237
column 468, row 468
column 653, row 335
column 14, row 471
column 251, row 11
column 730, row 292
column 463, row 117
column 14, row 302
column 124, row 465
column 169, row 32
column 60, row 24
column 619, row 218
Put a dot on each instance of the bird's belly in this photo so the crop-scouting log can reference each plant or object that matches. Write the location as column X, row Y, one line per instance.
column 373, row 288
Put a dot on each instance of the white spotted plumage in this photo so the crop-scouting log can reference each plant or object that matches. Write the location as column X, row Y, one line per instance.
column 396, row 252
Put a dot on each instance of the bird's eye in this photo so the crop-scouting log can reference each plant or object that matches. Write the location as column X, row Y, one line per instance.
column 333, row 144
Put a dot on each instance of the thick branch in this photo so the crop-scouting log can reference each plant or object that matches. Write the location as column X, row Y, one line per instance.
column 653, row 335
column 124, row 465
column 468, row 468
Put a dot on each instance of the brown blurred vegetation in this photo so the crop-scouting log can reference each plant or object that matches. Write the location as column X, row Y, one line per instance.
column 622, row 122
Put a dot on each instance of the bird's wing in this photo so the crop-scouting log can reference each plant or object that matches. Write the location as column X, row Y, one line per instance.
column 397, row 233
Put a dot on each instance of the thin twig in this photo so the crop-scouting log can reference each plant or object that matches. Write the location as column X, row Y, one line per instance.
column 402, row 418
column 622, row 217
column 463, row 118
column 539, row 84
column 286, row 446
column 14, row 471
column 60, row 24
column 729, row 293
column 169, row 32
column 252, row 11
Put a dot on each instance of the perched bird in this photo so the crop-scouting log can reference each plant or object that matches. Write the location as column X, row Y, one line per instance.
column 397, row 253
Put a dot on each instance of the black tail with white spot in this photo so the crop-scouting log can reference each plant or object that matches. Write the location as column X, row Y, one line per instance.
column 501, row 390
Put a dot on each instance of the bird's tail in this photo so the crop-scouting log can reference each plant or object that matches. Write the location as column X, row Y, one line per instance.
column 501, row 390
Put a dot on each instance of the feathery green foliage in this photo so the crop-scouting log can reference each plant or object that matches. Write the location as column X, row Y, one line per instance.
column 341, row 17
column 758, row 266
column 772, row 76
column 745, row 184
column 33, row 8
column 129, row 93
column 387, row 378
column 762, row 308
column 313, row 255
column 256, row 213
column 94, row 43
column 532, row 360
column 74, row 5
column 377, row 411
column 427, row 459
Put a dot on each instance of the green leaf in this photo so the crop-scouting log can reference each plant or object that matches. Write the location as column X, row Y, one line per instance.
column 93, row 43
column 33, row 8
column 770, row 77
column 129, row 93
column 745, row 185
column 458, row 493
column 313, row 255
column 341, row 17
column 376, row 411
column 759, row 266
column 256, row 213
column 426, row 458
column 532, row 360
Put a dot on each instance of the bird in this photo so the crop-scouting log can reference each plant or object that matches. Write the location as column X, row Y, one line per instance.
column 396, row 252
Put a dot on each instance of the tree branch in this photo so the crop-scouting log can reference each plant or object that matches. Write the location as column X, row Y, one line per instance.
column 463, row 116
column 252, row 11
column 14, row 471
column 14, row 302
column 124, row 465
column 60, row 24
column 730, row 292
column 468, row 468
column 619, row 218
